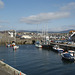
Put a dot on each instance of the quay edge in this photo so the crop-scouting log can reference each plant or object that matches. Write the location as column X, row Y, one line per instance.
column 10, row 70
column 64, row 46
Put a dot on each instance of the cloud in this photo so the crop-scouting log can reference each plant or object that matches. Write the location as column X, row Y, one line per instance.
column 0, row 26
column 69, row 6
column 1, row 4
column 3, row 21
column 44, row 17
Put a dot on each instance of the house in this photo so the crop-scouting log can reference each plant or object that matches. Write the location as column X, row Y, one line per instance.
column 72, row 36
column 12, row 33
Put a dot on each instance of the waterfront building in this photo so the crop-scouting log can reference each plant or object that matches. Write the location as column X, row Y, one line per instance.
column 12, row 33
column 26, row 37
column 72, row 35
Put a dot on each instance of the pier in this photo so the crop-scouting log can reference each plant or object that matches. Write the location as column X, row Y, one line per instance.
column 5, row 69
column 64, row 46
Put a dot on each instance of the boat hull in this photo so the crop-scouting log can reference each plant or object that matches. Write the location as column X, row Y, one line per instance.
column 15, row 47
column 38, row 46
column 46, row 46
column 68, row 59
column 58, row 49
column 67, row 56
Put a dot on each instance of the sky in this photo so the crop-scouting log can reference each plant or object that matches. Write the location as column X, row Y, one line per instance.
column 52, row 15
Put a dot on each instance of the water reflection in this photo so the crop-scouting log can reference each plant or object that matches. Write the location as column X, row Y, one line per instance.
column 67, row 62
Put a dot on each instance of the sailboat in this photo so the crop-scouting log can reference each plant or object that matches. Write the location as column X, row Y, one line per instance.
column 46, row 41
column 38, row 43
column 14, row 45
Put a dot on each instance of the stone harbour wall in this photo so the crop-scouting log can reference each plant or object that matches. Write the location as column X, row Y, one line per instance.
column 10, row 70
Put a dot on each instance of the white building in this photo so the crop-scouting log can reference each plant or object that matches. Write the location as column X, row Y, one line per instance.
column 12, row 33
column 26, row 37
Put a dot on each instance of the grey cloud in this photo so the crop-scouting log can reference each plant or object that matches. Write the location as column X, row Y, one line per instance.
column 3, row 21
column 1, row 4
column 44, row 17
column 69, row 6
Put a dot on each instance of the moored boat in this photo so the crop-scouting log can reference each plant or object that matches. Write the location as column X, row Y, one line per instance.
column 57, row 48
column 8, row 45
column 68, row 56
column 37, row 44
column 15, row 47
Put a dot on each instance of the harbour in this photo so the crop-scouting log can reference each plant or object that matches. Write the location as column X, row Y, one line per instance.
column 30, row 56
column 36, row 61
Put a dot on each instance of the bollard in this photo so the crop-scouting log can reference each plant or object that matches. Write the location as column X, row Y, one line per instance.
column 19, row 73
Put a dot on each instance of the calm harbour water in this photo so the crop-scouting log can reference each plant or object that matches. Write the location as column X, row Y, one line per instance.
column 35, row 61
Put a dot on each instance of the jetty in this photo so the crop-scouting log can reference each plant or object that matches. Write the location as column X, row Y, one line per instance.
column 64, row 46
column 5, row 69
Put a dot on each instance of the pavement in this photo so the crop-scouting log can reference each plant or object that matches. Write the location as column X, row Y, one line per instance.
column 6, row 69
column 2, row 72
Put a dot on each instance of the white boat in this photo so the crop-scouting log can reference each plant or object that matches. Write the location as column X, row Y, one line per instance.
column 13, row 44
column 71, row 52
column 15, row 47
column 68, row 56
column 37, row 44
column 8, row 45
column 57, row 48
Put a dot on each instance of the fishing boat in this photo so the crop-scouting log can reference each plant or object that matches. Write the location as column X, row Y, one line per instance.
column 68, row 56
column 57, row 48
column 37, row 44
column 14, row 46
